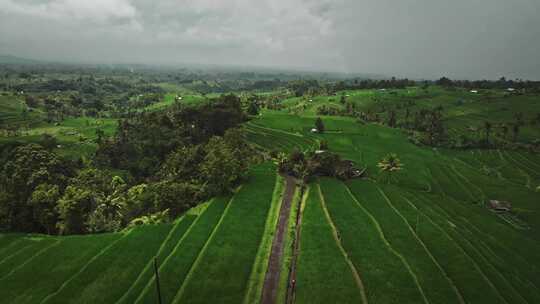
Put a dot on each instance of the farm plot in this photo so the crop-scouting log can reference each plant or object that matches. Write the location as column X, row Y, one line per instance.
column 63, row 261
column 508, row 249
column 167, row 247
column 323, row 275
column 175, row 267
column 117, row 267
column 275, row 139
column 22, row 252
column 386, row 277
column 475, row 279
column 221, row 273
column 430, row 276
column 504, row 279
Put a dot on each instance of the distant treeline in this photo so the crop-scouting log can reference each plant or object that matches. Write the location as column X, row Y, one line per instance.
column 502, row 83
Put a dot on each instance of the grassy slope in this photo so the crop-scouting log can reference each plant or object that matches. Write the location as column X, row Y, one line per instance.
column 288, row 249
column 228, row 259
column 175, row 268
column 323, row 275
column 258, row 272
column 403, row 239
column 169, row 244
column 63, row 261
column 488, row 248
column 118, row 267
column 386, row 277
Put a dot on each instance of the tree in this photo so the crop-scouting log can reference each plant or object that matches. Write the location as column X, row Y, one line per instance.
column 388, row 166
column 44, row 200
column 515, row 131
column 31, row 101
column 28, row 167
column 319, row 125
column 73, row 210
column 504, row 129
column 108, row 216
column 487, row 128
column 175, row 197
column 221, row 168
column 253, row 108
column 48, row 141
column 392, row 119
column 182, row 164
column 519, row 118
column 100, row 135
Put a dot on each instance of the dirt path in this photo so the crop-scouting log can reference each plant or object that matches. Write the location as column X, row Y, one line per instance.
column 271, row 280
column 296, row 249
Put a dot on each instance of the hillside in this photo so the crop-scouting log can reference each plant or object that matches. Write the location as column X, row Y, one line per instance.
column 9, row 59
column 81, row 269
column 423, row 235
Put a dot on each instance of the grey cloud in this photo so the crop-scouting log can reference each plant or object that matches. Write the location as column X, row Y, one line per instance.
column 413, row 38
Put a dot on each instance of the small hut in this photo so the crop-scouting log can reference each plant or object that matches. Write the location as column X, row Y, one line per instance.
column 499, row 206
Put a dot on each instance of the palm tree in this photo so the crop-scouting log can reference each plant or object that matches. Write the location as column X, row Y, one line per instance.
column 515, row 130
column 487, row 128
column 504, row 128
column 389, row 165
column 319, row 125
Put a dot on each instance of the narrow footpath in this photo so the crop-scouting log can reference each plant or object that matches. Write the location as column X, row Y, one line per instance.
column 271, row 279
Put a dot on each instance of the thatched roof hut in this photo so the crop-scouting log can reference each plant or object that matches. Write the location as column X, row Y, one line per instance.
column 499, row 206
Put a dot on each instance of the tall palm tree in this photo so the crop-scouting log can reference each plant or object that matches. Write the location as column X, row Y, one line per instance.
column 504, row 128
column 487, row 128
column 515, row 130
column 388, row 166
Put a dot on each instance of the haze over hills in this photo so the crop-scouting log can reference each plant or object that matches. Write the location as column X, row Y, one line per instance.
column 269, row 152
column 9, row 59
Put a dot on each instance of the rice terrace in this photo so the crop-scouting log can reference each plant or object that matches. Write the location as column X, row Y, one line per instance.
column 235, row 168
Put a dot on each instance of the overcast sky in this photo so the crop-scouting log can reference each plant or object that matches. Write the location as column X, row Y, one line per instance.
column 410, row 38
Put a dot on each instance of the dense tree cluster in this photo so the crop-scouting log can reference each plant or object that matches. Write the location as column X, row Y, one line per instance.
column 143, row 141
column 156, row 167
column 306, row 165
column 502, row 83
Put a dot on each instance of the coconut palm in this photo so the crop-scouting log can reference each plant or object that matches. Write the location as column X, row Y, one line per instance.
column 487, row 128
column 388, row 166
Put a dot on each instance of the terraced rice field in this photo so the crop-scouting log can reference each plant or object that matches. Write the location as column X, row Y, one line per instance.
column 429, row 237
column 117, row 268
column 409, row 248
column 426, row 238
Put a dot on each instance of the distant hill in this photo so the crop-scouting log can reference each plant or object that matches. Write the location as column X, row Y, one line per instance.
column 9, row 59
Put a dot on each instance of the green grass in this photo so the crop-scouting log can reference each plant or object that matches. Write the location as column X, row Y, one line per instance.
column 287, row 257
column 428, row 237
column 169, row 99
column 227, row 261
column 483, row 259
column 107, row 278
column 14, row 112
column 323, row 275
column 169, row 244
column 465, row 271
column 434, row 282
column 51, row 268
column 258, row 272
column 175, row 268
column 75, row 136
column 28, row 249
column 508, row 251
column 386, row 277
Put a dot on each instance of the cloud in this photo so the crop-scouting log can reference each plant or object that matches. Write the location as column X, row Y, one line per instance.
column 94, row 11
column 414, row 38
